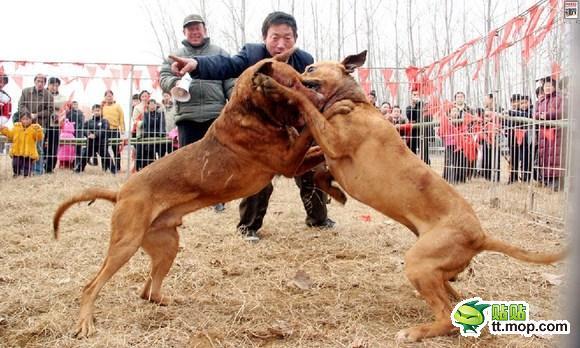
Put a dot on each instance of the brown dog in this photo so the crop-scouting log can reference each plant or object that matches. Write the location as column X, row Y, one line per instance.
column 252, row 140
column 367, row 157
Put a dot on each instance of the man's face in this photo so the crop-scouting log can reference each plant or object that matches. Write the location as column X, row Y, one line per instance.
column 515, row 104
column 39, row 83
column 195, row 33
column 279, row 38
column 75, row 106
column 53, row 88
column 97, row 112
column 459, row 99
column 385, row 109
column 524, row 104
column 415, row 96
column 152, row 106
column 396, row 112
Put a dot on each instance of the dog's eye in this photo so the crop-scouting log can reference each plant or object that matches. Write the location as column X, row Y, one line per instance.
column 310, row 69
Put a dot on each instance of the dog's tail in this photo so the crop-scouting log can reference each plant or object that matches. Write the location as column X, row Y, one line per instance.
column 89, row 195
column 493, row 244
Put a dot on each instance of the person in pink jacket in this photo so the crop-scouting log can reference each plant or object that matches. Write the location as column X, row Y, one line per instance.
column 550, row 138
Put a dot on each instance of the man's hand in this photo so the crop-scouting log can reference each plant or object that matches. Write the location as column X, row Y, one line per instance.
column 182, row 66
column 91, row 136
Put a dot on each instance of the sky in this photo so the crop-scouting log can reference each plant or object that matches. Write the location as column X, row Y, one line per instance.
column 79, row 31
column 119, row 31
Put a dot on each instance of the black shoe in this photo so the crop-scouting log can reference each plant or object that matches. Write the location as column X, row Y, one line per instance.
column 219, row 208
column 326, row 224
column 249, row 235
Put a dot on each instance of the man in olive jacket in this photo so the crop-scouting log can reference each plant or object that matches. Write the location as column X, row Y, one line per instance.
column 194, row 117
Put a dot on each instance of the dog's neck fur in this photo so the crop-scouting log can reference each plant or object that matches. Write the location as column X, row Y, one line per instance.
column 350, row 90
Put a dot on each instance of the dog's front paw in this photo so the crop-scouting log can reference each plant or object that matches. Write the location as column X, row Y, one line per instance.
column 272, row 89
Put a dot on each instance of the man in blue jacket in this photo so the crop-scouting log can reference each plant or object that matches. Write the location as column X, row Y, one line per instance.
column 279, row 32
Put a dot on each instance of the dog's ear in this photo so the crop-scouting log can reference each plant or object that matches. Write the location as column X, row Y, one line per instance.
column 266, row 68
column 283, row 57
column 354, row 61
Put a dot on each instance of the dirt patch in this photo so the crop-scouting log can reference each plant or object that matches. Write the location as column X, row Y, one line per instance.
column 298, row 287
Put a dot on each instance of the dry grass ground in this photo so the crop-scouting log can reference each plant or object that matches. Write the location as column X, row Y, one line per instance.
column 234, row 294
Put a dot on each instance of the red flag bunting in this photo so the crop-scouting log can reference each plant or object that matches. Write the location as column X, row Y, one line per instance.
column 393, row 89
column 1, row 69
column 535, row 12
column 116, row 73
column 137, row 79
column 476, row 74
column 507, row 30
column 411, row 73
column 108, row 83
column 519, row 22
column 363, row 74
column 366, row 86
column 92, row 70
column 489, row 42
column 102, row 66
column 18, row 80
column 85, row 82
column 430, row 68
column 387, row 74
column 126, row 69
column 20, row 63
column 154, row 74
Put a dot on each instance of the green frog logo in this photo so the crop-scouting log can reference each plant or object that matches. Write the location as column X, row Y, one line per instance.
column 468, row 316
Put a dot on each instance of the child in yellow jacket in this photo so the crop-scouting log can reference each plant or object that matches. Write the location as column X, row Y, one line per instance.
column 23, row 136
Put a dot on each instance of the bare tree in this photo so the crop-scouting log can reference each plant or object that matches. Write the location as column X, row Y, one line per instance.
column 161, row 23
column 411, row 21
column 314, row 7
column 236, row 36
column 355, row 19
column 448, row 17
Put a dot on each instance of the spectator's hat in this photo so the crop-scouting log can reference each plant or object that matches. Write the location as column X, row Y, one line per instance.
column 193, row 18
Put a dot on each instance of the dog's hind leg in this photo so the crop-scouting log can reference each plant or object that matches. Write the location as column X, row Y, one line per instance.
column 161, row 245
column 126, row 236
column 427, row 276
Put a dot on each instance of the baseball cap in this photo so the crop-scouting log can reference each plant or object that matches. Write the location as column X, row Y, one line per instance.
column 192, row 18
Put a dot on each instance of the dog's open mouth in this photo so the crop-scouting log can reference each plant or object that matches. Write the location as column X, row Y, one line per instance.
column 311, row 84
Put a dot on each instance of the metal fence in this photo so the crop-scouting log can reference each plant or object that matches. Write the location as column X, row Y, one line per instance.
column 494, row 152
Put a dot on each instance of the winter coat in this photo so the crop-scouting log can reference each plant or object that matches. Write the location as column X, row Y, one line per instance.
column 37, row 102
column 24, row 139
column 221, row 67
column 550, row 138
column 153, row 124
column 208, row 95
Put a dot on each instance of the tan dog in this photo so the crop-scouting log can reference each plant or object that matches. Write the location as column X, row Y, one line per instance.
column 250, row 142
column 367, row 157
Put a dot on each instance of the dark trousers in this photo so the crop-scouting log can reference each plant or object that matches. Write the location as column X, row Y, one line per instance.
column 420, row 138
column 51, row 136
column 490, row 169
column 147, row 153
column 189, row 131
column 22, row 165
column 253, row 208
column 455, row 169
column 94, row 147
column 520, row 159
column 114, row 133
